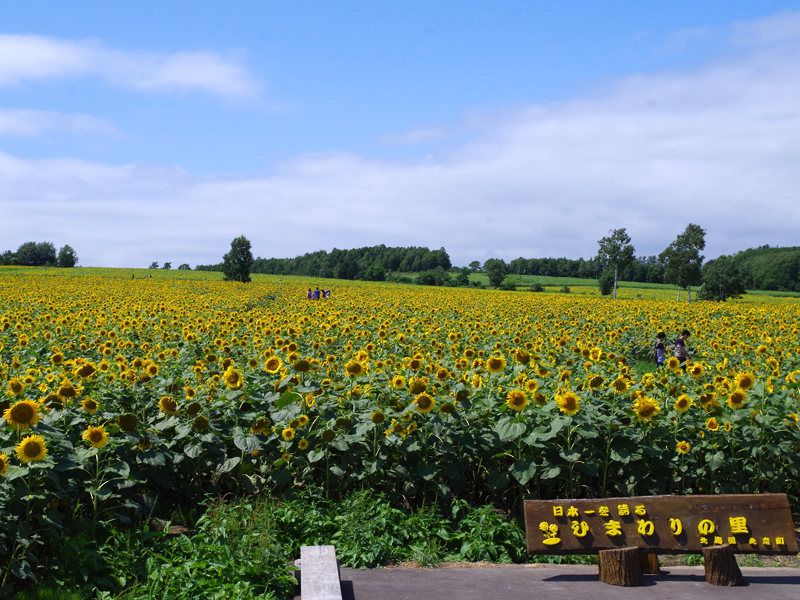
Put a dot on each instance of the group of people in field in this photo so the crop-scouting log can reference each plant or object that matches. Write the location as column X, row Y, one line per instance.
column 317, row 294
column 679, row 348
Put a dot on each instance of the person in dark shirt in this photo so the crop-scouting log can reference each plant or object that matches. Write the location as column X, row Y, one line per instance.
column 661, row 348
column 681, row 352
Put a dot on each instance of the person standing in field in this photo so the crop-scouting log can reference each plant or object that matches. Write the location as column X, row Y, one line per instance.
column 681, row 352
column 660, row 348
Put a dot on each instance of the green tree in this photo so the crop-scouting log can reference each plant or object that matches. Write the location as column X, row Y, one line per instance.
column 236, row 263
column 462, row 277
column 153, row 265
column 167, row 266
column 67, row 257
column 682, row 259
column 606, row 282
column 184, row 267
column 475, row 266
column 616, row 252
column 721, row 280
column 496, row 269
column 26, row 254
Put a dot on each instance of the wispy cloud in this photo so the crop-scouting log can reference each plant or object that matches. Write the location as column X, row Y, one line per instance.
column 716, row 145
column 25, row 58
column 27, row 123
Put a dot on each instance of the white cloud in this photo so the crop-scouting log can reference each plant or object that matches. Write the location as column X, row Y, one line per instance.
column 717, row 145
column 31, row 57
column 27, row 123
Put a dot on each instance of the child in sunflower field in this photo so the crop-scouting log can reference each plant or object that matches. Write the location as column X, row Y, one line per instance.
column 681, row 352
column 660, row 348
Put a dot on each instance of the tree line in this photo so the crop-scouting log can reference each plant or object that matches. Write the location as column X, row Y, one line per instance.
column 371, row 263
column 40, row 254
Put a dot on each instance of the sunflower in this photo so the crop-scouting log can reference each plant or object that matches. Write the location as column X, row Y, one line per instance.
column 442, row 374
column 288, row 434
column 286, row 457
column 15, row 387
column 233, row 379
column 737, row 398
column 301, row 366
column 31, row 448
column 447, row 408
column 516, row 400
column 302, row 421
column 792, row 419
column 377, row 417
column 328, row 435
column 522, row 356
column 683, row 403
column 568, row 403
column 683, row 447
column 354, row 368
column 415, row 364
column 273, row 364
column 127, row 422
column 696, row 370
column 260, row 426
column 96, row 436
column 89, row 405
column 168, row 405
column 418, row 385
column 398, row 382
column 646, row 408
column 620, row 385
column 303, row 444
column 745, row 380
column 425, row 403
column 531, row 385
column 495, row 364
column 3, row 463
column 200, row 422
column 673, row 363
column 595, row 382
column 22, row 415
column 85, row 371
column 711, row 424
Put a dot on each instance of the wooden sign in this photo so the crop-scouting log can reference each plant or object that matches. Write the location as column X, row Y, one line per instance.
column 754, row 523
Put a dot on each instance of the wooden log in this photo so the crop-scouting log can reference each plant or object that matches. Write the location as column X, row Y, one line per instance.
column 621, row 566
column 650, row 564
column 721, row 566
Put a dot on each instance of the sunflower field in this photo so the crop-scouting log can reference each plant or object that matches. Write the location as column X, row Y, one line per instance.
column 126, row 396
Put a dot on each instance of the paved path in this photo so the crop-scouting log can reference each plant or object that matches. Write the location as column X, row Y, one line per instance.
column 559, row 582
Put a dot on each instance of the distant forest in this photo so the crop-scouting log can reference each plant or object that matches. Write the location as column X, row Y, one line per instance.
column 762, row 268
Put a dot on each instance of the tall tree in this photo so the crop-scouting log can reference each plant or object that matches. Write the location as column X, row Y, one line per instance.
column 67, row 257
column 616, row 252
column 496, row 269
column 682, row 259
column 236, row 263
column 721, row 280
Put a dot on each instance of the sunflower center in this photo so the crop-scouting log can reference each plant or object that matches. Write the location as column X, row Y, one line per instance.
column 95, row 435
column 22, row 413
column 31, row 449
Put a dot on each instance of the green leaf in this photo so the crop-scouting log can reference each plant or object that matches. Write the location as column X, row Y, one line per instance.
column 570, row 455
column 281, row 478
column 246, row 442
column 523, row 470
column 508, row 429
column 550, row 473
column 315, row 455
column 228, row 465
column 716, row 460
column 193, row 450
column 425, row 471
column 497, row 481
column 621, row 455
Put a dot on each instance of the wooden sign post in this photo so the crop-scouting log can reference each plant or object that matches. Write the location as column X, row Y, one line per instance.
column 755, row 523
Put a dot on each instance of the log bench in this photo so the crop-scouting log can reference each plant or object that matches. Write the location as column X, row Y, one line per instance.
column 319, row 573
column 627, row 534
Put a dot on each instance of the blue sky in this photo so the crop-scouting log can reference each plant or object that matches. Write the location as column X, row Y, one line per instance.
column 159, row 131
